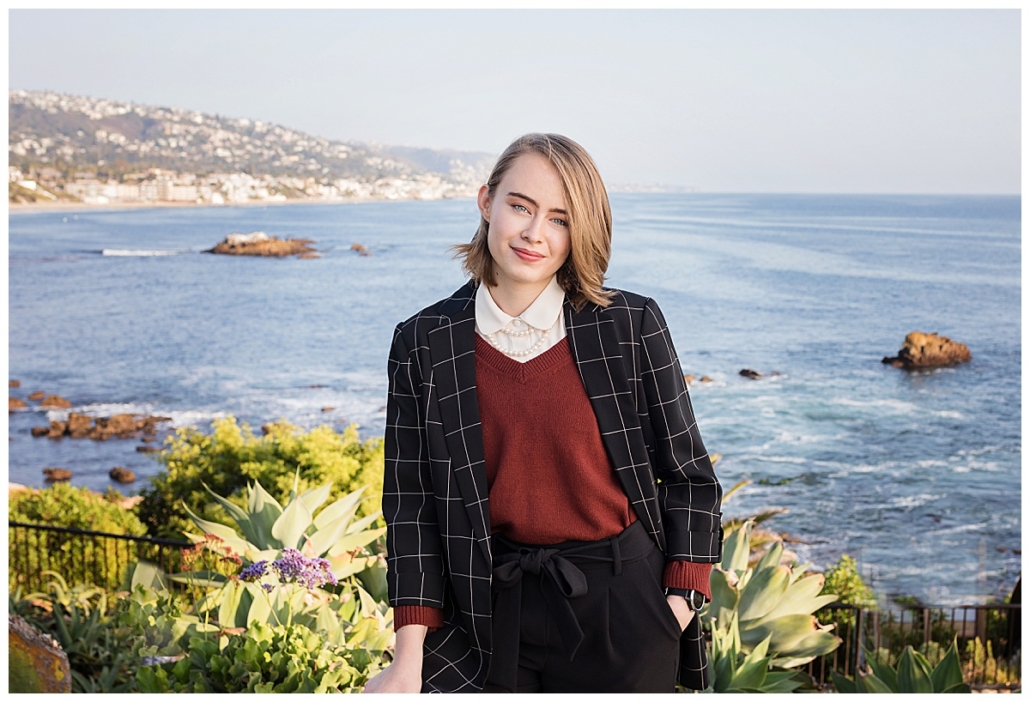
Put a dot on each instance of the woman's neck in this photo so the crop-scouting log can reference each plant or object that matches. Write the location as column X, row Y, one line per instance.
column 514, row 300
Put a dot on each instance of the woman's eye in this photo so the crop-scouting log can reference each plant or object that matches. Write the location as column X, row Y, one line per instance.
column 560, row 222
column 519, row 208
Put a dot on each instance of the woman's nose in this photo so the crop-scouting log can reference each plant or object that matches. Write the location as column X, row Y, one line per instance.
column 533, row 230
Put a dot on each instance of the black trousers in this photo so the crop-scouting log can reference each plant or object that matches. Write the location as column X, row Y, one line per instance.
column 582, row 617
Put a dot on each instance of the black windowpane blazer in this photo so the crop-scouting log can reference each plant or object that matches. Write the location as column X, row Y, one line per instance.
column 435, row 487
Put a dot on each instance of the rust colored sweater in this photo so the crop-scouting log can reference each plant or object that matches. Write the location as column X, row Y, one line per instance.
column 549, row 475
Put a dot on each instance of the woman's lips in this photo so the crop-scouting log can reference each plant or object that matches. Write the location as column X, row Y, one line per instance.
column 527, row 255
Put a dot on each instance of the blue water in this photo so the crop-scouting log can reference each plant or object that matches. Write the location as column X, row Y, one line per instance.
column 917, row 475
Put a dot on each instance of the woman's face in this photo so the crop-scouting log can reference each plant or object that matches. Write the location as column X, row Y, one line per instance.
column 529, row 224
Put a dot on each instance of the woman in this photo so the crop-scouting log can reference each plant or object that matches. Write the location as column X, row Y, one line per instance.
column 552, row 513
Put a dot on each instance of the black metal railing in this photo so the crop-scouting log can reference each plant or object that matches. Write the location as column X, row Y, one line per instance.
column 81, row 557
column 988, row 638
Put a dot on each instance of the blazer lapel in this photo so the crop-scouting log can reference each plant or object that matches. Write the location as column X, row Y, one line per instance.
column 452, row 350
column 595, row 347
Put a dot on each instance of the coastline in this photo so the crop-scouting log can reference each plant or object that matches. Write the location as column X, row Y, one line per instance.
column 25, row 208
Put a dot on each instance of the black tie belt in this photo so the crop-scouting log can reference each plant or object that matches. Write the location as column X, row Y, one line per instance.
column 560, row 581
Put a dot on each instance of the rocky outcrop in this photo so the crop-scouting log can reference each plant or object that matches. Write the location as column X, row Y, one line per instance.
column 755, row 375
column 14, row 403
column 121, row 426
column 56, row 475
column 360, row 249
column 55, row 401
column 14, row 383
column 35, row 661
column 928, row 351
column 37, row 396
column 260, row 244
column 690, row 379
column 122, row 475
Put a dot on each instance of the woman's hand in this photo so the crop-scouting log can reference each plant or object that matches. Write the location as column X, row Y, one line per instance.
column 396, row 678
column 405, row 673
column 680, row 608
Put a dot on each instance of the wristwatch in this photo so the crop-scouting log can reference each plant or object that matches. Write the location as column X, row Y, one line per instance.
column 695, row 600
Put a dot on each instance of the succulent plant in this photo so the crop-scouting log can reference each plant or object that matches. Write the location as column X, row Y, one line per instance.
column 736, row 671
column 913, row 674
column 769, row 604
column 266, row 528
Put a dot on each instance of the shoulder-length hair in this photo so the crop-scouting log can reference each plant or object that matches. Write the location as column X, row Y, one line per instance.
column 590, row 219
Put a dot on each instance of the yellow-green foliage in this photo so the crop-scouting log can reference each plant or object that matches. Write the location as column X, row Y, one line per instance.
column 982, row 666
column 232, row 455
column 79, row 508
column 844, row 581
column 65, row 506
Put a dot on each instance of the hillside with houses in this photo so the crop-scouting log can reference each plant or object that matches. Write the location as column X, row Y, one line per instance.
column 75, row 149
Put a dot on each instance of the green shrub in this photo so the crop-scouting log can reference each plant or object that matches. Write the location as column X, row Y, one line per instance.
column 261, row 659
column 92, row 561
column 79, row 508
column 231, row 456
column 84, row 620
column 844, row 581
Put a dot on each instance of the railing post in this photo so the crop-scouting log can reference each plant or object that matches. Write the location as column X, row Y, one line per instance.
column 857, row 651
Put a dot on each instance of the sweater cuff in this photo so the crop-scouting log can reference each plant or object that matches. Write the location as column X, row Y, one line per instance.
column 688, row 576
column 410, row 614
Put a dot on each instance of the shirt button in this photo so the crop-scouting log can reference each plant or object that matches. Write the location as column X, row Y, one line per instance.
column 516, row 323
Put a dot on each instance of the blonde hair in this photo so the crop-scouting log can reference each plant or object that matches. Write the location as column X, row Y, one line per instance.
column 590, row 219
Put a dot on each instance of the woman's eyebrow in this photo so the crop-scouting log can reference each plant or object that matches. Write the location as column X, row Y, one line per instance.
column 534, row 203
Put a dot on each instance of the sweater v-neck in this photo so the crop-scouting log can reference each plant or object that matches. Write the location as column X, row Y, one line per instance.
column 517, row 370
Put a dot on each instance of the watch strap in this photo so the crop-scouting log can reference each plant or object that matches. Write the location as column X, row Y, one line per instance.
column 695, row 600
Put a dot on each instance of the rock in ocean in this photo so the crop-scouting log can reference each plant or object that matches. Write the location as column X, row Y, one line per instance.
column 928, row 351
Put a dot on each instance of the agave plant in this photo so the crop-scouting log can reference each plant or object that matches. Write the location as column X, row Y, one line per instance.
column 913, row 674
column 735, row 671
column 289, row 553
column 770, row 605
column 266, row 528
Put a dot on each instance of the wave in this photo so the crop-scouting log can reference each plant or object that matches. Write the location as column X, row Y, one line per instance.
column 139, row 252
column 180, row 418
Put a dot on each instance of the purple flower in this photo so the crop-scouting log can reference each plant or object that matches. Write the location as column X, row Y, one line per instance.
column 309, row 572
column 266, row 587
column 254, row 571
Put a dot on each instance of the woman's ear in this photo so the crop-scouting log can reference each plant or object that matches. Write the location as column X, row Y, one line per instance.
column 483, row 200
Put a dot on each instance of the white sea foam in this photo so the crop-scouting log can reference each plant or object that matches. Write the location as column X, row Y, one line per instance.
column 899, row 405
column 786, row 437
column 873, row 468
column 797, row 460
column 180, row 418
column 910, row 501
column 192, row 418
column 139, row 252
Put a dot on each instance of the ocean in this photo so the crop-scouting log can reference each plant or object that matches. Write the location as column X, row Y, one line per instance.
column 917, row 475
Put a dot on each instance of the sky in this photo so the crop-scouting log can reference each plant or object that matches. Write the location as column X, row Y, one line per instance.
column 808, row 101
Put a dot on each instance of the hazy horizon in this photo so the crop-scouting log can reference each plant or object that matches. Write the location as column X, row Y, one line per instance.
column 820, row 101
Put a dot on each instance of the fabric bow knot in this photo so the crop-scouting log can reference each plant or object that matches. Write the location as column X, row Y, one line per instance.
column 561, row 580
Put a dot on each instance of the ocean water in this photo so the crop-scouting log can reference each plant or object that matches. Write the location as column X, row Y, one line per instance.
column 915, row 474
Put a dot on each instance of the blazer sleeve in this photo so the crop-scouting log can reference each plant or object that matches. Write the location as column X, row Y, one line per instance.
column 415, row 571
column 689, row 495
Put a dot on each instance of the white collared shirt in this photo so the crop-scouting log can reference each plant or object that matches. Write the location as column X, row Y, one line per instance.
column 543, row 320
